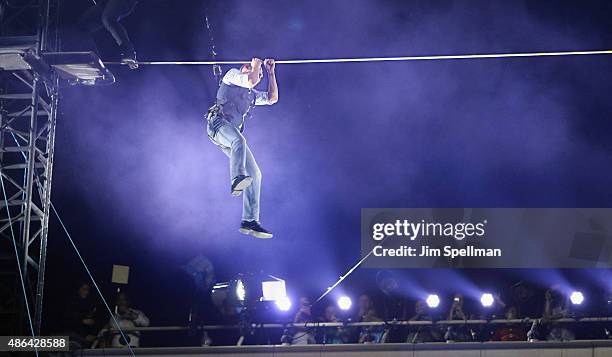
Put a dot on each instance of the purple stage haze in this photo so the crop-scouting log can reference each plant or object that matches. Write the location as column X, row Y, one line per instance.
column 140, row 184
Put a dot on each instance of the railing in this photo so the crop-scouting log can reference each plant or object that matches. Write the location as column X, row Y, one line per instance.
column 365, row 324
column 323, row 327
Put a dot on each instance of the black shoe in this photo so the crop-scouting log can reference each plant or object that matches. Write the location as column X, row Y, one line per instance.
column 128, row 56
column 240, row 183
column 255, row 229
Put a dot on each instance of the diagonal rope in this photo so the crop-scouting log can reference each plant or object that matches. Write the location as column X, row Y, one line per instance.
column 39, row 186
column 389, row 59
column 90, row 276
column 21, row 278
column 349, row 272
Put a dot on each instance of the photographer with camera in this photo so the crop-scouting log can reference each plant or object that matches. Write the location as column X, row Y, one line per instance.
column 457, row 333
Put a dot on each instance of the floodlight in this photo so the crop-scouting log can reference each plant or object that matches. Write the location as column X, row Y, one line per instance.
column 283, row 303
column 433, row 301
column 487, row 299
column 576, row 297
column 344, row 303
column 273, row 290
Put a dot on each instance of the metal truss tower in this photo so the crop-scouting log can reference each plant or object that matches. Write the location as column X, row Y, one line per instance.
column 28, row 112
column 31, row 72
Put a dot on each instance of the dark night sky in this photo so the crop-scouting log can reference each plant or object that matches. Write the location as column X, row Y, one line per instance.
column 138, row 183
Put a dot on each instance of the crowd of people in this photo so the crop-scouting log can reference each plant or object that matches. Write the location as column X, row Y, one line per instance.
column 85, row 327
column 548, row 325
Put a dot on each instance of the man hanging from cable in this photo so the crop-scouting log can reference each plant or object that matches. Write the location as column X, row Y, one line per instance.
column 108, row 14
column 225, row 123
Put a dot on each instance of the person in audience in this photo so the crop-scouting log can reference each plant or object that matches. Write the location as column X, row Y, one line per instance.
column 556, row 307
column 127, row 318
column 424, row 333
column 367, row 313
column 333, row 335
column 366, row 310
column 525, row 299
column 303, row 335
column 330, row 314
column 497, row 310
column 457, row 333
column 511, row 331
column 79, row 317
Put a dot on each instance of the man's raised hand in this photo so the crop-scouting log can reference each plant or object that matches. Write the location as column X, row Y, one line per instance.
column 270, row 64
column 256, row 62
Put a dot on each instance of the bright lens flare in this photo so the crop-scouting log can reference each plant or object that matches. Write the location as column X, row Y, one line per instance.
column 283, row 303
column 344, row 303
column 576, row 297
column 433, row 301
column 487, row 299
column 240, row 291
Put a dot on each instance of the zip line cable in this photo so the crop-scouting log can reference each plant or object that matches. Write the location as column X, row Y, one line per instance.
column 388, row 59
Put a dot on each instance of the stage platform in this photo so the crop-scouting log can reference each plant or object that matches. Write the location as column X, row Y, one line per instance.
column 487, row 349
column 73, row 68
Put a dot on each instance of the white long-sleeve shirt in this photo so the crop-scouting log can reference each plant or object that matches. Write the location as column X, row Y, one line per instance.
column 237, row 78
column 141, row 320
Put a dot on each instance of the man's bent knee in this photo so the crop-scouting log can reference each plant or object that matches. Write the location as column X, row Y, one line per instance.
column 239, row 140
column 255, row 172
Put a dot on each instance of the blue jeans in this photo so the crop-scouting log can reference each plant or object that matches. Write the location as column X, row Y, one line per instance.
column 229, row 139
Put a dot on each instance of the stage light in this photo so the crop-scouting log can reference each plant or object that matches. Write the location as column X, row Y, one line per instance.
column 273, row 290
column 576, row 297
column 433, row 301
column 283, row 303
column 231, row 294
column 344, row 303
column 240, row 290
column 487, row 299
